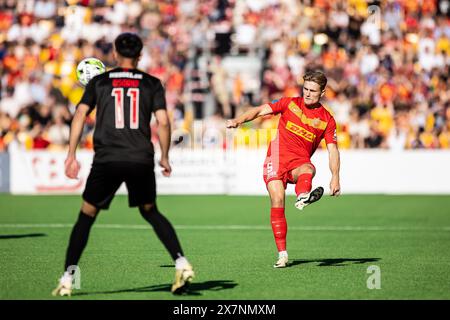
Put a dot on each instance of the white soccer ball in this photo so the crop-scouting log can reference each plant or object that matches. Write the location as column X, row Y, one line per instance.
column 89, row 68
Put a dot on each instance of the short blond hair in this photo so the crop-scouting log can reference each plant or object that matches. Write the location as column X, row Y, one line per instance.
column 317, row 77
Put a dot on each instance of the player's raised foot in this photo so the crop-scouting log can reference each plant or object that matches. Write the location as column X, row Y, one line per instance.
column 305, row 199
column 183, row 277
column 282, row 261
column 64, row 287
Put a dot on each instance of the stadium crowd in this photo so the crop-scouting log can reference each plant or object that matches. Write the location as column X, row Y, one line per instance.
column 387, row 64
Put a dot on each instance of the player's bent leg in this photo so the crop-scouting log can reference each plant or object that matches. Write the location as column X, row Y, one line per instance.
column 184, row 272
column 303, row 176
column 77, row 243
column 278, row 220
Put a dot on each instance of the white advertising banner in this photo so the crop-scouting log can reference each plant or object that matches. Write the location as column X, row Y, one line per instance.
column 193, row 172
column 239, row 172
column 41, row 172
column 362, row 171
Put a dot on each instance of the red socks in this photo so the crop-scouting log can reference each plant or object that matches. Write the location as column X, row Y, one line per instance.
column 279, row 227
column 277, row 217
column 304, row 183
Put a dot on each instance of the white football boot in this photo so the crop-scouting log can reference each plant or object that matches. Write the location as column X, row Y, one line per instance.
column 64, row 287
column 282, row 261
column 305, row 199
column 183, row 277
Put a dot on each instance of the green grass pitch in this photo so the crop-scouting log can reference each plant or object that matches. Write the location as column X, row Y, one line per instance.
column 228, row 239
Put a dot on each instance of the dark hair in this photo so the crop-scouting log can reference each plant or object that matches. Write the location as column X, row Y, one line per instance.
column 317, row 77
column 128, row 45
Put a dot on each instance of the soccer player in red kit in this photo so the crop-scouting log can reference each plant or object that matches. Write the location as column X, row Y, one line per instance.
column 304, row 122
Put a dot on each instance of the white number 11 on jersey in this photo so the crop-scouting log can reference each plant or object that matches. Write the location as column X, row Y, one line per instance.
column 118, row 95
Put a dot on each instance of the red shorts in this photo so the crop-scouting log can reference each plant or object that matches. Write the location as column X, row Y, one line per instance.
column 282, row 170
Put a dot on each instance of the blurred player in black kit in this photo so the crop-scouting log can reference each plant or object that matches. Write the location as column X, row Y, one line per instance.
column 125, row 99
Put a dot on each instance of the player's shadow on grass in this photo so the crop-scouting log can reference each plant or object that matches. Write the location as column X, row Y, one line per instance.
column 18, row 236
column 337, row 262
column 194, row 289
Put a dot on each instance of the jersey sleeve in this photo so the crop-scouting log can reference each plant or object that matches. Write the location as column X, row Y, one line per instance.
column 159, row 97
column 89, row 96
column 279, row 106
column 330, row 135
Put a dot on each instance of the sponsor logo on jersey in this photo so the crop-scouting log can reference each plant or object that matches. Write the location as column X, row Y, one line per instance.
column 315, row 123
column 125, row 83
column 300, row 131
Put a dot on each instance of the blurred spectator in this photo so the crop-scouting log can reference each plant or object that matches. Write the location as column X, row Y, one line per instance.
column 341, row 107
column 218, row 83
column 369, row 61
column 374, row 140
column 8, row 103
column 396, row 140
column 58, row 131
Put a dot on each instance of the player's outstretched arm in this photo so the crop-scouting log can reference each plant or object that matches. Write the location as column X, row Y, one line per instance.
column 164, row 140
column 250, row 115
column 335, row 163
column 72, row 167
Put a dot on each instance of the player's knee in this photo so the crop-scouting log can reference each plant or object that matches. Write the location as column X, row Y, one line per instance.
column 277, row 201
column 276, row 193
column 89, row 209
column 148, row 209
column 307, row 168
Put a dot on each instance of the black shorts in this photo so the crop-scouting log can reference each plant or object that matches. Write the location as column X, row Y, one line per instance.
column 105, row 178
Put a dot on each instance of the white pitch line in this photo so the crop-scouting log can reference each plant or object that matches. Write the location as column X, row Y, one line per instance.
column 232, row 227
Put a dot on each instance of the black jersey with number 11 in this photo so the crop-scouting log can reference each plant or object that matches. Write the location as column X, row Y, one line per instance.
column 125, row 100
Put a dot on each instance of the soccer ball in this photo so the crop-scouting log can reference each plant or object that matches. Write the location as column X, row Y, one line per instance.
column 89, row 68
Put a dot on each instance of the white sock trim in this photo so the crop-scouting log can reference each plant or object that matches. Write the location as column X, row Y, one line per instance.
column 282, row 254
column 66, row 278
column 180, row 263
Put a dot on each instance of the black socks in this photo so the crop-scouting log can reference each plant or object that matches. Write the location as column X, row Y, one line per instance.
column 164, row 230
column 78, row 239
